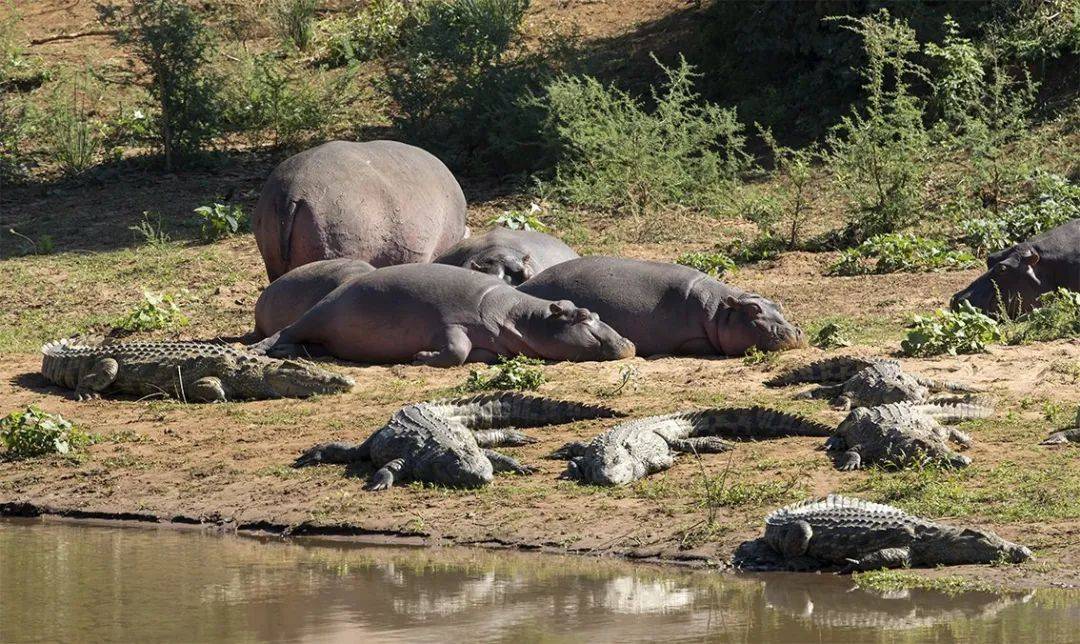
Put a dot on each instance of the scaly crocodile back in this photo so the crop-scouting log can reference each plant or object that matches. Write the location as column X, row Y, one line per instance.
column 752, row 423
column 506, row 409
column 61, row 359
column 831, row 370
column 836, row 511
column 951, row 412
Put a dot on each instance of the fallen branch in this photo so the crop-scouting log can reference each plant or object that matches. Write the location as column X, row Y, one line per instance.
column 73, row 36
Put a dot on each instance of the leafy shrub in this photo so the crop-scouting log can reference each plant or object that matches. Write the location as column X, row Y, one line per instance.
column 371, row 34
column 965, row 330
column 1057, row 316
column 15, row 67
column 831, row 335
column 759, row 249
column 791, row 173
column 518, row 373
column 522, row 219
column 174, row 45
column 900, row 253
column 1056, row 200
column 33, row 432
column 73, row 139
column 767, row 360
column 714, row 263
column 613, row 154
column 878, row 153
column 155, row 312
column 221, row 220
column 295, row 21
column 151, row 233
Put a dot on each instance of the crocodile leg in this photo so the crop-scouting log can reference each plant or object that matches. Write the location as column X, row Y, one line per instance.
column 796, row 540
column 850, row 460
column 500, row 437
column 208, row 389
column 573, row 470
column 884, row 558
column 959, row 437
column 454, row 353
column 571, row 450
column 504, row 463
column 700, row 445
column 823, row 391
column 97, row 379
column 1058, row 438
column 339, row 453
column 383, row 478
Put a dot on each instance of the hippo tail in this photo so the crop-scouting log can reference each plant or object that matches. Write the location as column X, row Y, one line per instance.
column 285, row 233
column 831, row 370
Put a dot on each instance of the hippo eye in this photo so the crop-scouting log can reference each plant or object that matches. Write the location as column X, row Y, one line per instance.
column 1001, row 268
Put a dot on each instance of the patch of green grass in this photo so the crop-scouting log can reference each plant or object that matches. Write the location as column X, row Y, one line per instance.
column 901, row 253
column 767, row 360
column 895, row 580
column 831, row 335
column 517, row 373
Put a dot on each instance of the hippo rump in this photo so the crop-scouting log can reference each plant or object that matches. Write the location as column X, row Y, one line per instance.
column 291, row 295
column 443, row 316
column 1025, row 271
column 667, row 308
column 511, row 255
column 382, row 202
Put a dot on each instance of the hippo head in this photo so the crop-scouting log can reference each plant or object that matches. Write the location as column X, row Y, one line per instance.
column 757, row 322
column 512, row 269
column 952, row 546
column 298, row 379
column 568, row 332
column 1011, row 275
column 455, row 466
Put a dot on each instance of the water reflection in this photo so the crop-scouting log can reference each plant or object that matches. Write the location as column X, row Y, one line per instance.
column 60, row 582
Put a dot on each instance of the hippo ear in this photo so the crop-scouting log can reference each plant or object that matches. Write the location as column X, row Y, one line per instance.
column 1029, row 256
column 582, row 315
column 526, row 258
column 555, row 308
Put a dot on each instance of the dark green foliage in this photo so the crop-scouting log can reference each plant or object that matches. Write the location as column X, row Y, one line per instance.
column 221, row 220
column 295, row 21
column 518, row 373
column 715, row 264
column 33, row 432
column 168, row 37
column 154, row 313
column 831, row 335
column 1054, row 201
column 372, row 33
column 901, row 252
column 1057, row 316
column 965, row 330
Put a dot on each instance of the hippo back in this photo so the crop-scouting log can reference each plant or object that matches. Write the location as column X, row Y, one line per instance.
column 512, row 255
column 294, row 293
column 382, row 202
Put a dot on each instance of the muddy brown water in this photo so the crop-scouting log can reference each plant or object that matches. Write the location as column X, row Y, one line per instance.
column 61, row 582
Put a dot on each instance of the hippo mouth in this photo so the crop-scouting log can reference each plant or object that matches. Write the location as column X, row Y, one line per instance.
column 784, row 339
column 617, row 350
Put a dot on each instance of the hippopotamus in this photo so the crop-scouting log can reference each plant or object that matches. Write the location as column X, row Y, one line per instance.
column 511, row 255
column 290, row 296
column 1023, row 272
column 667, row 309
column 382, row 202
column 443, row 316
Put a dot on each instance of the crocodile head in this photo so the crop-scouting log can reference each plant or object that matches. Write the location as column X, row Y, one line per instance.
column 883, row 383
column 455, row 467
column 295, row 379
column 954, row 546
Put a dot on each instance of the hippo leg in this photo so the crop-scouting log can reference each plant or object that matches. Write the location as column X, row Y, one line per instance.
column 696, row 347
column 454, row 353
column 483, row 355
column 504, row 463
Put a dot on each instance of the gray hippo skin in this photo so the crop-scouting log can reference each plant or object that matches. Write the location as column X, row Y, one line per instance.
column 444, row 316
column 1027, row 270
column 290, row 296
column 667, row 308
column 382, row 202
column 511, row 255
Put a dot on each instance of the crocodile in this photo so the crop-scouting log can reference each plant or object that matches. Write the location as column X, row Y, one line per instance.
column 901, row 434
column 643, row 446
column 447, row 441
column 851, row 535
column 189, row 371
column 1070, row 435
column 866, row 382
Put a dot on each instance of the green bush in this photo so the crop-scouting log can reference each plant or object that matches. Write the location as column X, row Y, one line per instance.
column 522, row 219
column 295, row 21
column 966, row 330
column 154, row 313
column 762, row 248
column 74, row 140
column 518, row 373
column 900, row 253
column 174, row 45
column 831, row 335
column 1055, row 201
column 372, row 33
column 151, row 233
column 791, row 174
column 713, row 263
column 1057, row 316
column 878, row 153
column 33, row 432
column 221, row 220
column 615, row 155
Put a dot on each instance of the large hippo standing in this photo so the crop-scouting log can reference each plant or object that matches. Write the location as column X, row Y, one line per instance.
column 511, row 255
column 382, row 202
column 291, row 295
column 1023, row 272
column 667, row 308
column 444, row 316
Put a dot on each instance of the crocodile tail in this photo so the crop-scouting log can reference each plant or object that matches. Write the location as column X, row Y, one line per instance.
column 951, row 412
column 753, row 423
column 948, row 386
column 55, row 363
column 832, row 370
column 835, row 503
column 504, row 409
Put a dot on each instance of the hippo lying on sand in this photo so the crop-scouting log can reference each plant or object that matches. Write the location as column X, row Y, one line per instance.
column 511, row 255
column 1027, row 270
column 291, row 295
column 668, row 308
column 444, row 316
column 383, row 202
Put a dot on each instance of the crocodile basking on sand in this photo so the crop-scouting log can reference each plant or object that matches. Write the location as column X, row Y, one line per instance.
column 854, row 535
column 901, row 434
column 446, row 441
column 644, row 446
column 189, row 371
column 1070, row 435
column 862, row 382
